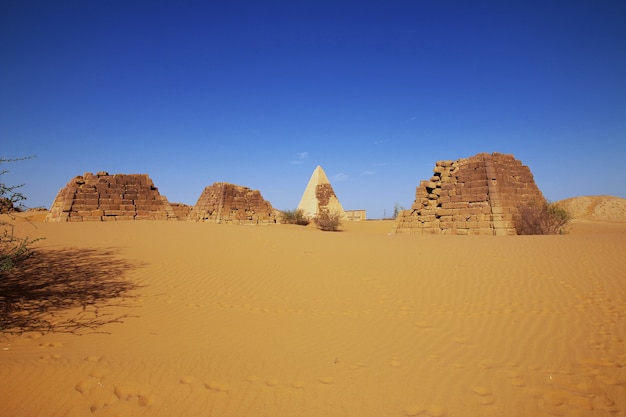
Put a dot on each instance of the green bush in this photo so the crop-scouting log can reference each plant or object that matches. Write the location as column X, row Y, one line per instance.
column 328, row 222
column 541, row 218
column 294, row 217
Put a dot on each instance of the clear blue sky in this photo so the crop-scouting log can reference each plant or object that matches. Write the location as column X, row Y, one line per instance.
column 259, row 93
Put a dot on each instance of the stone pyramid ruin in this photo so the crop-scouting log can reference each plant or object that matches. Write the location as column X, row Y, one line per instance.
column 104, row 197
column 232, row 204
column 471, row 196
column 319, row 196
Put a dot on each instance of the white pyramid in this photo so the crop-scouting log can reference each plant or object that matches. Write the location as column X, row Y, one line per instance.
column 319, row 196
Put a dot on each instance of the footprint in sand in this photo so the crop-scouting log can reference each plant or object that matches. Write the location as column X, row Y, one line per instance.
column 480, row 390
column 436, row 411
column 394, row 361
column 272, row 382
column 130, row 391
column 86, row 385
column 188, row 380
column 356, row 366
column 217, row 386
column 327, row 380
column 484, row 394
column 298, row 384
column 99, row 372
column 50, row 344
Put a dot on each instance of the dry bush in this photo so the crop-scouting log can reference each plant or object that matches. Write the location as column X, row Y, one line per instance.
column 328, row 222
column 541, row 218
column 13, row 249
column 294, row 217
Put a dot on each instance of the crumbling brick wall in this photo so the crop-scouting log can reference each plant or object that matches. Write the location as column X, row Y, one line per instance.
column 222, row 202
column 470, row 196
column 104, row 197
column 181, row 210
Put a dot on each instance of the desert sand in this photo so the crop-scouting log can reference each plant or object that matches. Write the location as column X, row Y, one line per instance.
column 219, row 320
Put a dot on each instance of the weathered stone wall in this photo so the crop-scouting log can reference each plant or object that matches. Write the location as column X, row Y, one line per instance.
column 181, row 210
column 104, row 197
column 232, row 204
column 356, row 215
column 324, row 193
column 471, row 196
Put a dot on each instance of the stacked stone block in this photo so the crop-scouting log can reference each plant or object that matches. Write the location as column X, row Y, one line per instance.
column 471, row 196
column 181, row 210
column 356, row 215
column 104, row 197
column 232, row 204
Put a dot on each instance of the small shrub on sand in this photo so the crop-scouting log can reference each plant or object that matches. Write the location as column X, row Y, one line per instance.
column 13, row 249
column 397, row 208
column 294, row 217
column 541, row 218
column 328, row 222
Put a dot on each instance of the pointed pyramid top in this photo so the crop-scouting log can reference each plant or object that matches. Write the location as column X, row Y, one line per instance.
column 319, row 195
column 319, row 176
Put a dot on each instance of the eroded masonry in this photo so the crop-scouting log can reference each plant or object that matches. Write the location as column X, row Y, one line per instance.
column 319, row 197
column 232, row 204
column 104, row 197
column 471, row 196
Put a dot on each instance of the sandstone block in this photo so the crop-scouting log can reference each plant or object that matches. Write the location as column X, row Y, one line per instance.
column 483, row 224
column 92, row 218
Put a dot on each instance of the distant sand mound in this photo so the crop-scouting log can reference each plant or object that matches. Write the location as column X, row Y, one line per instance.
column 604, row 208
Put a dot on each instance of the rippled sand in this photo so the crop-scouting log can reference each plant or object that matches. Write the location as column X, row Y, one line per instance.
column 194, row 319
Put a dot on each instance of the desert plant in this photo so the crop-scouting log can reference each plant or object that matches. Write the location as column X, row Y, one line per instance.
column 296, row 216
column 327, row 221
column 13, row 249
column 541, row 218
column 397, row 208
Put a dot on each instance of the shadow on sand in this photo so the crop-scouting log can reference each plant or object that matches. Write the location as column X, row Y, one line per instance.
column 65, row 290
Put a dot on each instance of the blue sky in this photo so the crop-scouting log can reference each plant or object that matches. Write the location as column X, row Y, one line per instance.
column 260, row 93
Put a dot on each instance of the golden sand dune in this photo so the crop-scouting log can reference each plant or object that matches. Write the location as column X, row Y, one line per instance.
column 284, row 320
column 596, row 208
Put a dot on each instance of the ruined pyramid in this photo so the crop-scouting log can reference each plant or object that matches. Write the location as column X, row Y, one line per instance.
column 227, row 203
column 478, row 195
column 104, row 197
column 319, row 196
